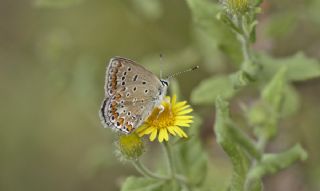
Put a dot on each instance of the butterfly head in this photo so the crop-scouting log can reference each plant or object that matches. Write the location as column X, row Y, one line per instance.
column 164, row 83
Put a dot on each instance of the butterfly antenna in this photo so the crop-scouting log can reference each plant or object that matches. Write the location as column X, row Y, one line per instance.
column 178, row 73
column 161, row 65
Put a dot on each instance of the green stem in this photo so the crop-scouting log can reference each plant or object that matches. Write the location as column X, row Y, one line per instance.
column 146, row 172
column 172, row 170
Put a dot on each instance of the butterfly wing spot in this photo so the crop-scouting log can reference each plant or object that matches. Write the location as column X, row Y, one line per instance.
column 144, row 83
column 129, row 69
column 146, row 91
column 123, row 83
column 135, row 78
column 134, row 89
column 128, row 94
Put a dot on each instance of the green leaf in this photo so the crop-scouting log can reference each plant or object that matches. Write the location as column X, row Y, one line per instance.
column 265, row 114
column 299, row 66
column 291, row 102
column 209, row 89
column 204, row 14
column 191, row 157
column 237, row 156
column 146, row 184
column 273, row 93
column 243, row 141
column 272, row 163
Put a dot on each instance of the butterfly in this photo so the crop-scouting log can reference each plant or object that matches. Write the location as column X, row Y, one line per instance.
column 131, row 93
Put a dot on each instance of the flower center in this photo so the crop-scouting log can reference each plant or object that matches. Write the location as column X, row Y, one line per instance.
column 163, row 119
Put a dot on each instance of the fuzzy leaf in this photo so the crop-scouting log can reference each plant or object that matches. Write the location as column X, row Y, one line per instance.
column 210, row 88
column 273, row 93
column 137, row 184
column 237, row 156
column 264, row 115
column 272, row 163
column 299, row 66
column 243, row 141
column 291, row 102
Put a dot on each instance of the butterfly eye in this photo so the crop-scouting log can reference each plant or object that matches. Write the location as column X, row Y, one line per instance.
column 164, row 83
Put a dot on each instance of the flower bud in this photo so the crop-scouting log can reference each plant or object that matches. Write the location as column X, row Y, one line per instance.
column 236, row 6
column 130, row 146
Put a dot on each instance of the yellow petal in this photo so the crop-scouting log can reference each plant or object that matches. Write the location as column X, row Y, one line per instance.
column 163, row 135
column 166, row 136
column 180, row 104
column 182, row 124
column 149, row 130
column 160, row 138
column 153, row 134
column 171, row 130
column 184, row 117
column 175, row 128
column 185, row 111
column 177, row 109
column 180, row 132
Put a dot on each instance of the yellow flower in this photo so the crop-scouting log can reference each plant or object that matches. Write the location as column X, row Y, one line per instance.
column 168, row 122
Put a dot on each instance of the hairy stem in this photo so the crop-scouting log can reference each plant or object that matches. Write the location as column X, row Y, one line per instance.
column 146, row 172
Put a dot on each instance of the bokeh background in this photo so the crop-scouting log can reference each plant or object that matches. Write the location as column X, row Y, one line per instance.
column 53, row 55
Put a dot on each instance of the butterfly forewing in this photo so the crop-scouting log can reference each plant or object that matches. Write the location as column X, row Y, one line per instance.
column 131, row 92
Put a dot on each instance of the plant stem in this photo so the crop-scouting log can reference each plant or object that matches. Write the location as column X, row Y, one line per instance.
column 170, row 160
column 146, row 172
column 172, row 169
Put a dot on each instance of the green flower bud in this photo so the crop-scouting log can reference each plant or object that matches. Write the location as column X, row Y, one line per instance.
column 236, row 6
column 130, row 146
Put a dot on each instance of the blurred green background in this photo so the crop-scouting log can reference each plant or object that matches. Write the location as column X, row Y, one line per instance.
column 53, row 57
